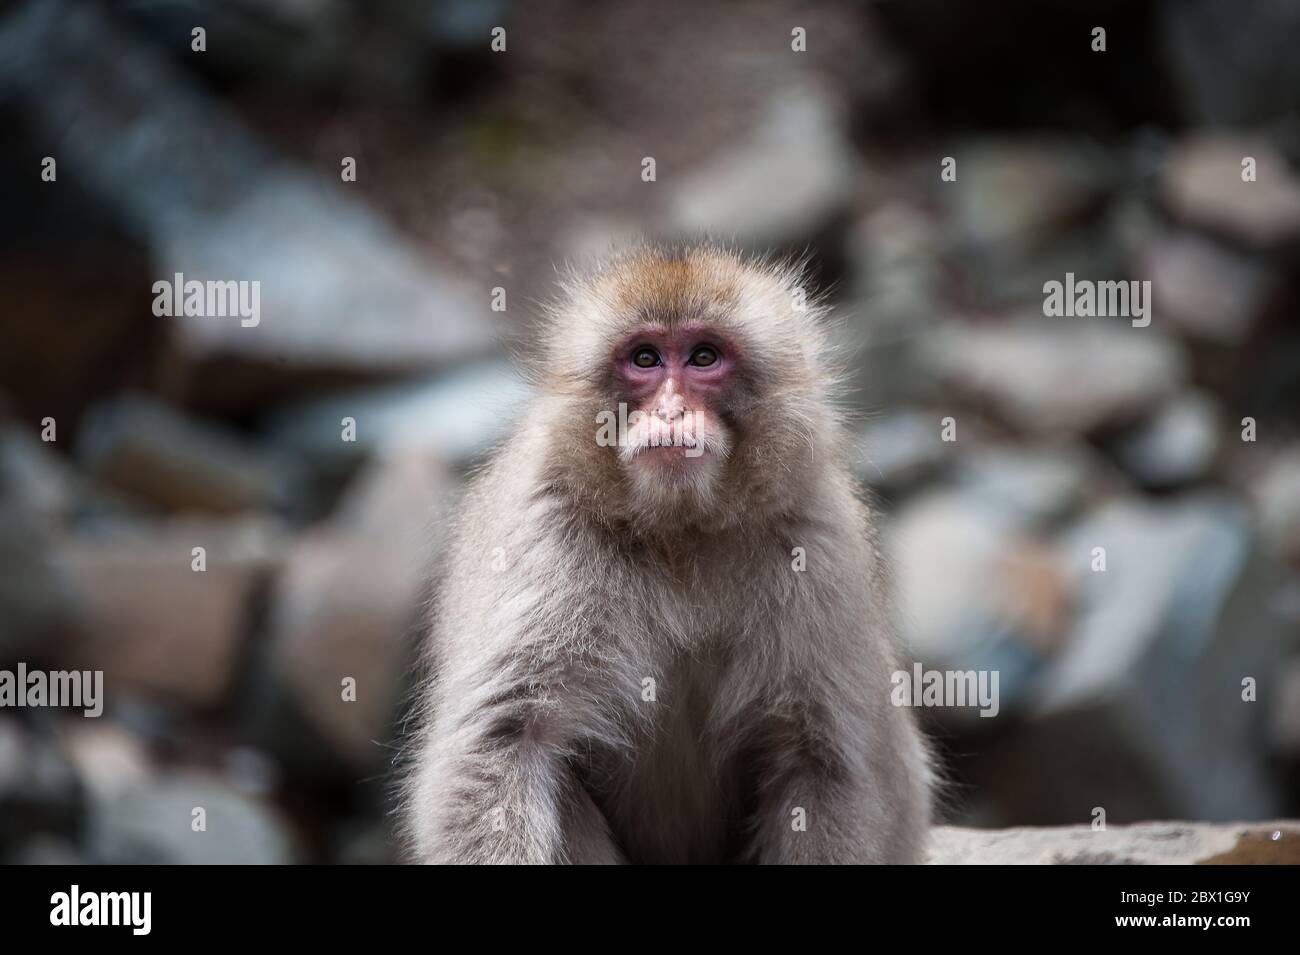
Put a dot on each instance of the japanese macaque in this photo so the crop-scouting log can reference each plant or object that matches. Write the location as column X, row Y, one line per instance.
column 663, row 634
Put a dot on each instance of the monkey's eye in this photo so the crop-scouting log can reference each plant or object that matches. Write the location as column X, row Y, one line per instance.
column 703, row 357
column 645, row 358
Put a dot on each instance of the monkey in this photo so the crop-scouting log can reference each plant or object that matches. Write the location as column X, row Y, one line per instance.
column 664, row 632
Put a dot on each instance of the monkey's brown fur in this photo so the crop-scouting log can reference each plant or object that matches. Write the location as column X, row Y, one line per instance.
column 571, row 583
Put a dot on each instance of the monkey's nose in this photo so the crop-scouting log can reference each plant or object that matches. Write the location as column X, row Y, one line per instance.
column 670, row 407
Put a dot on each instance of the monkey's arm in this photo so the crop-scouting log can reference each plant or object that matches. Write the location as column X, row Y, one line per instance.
column 492, row 784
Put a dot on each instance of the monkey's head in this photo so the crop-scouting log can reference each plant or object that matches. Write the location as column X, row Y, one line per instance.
column 690, row 390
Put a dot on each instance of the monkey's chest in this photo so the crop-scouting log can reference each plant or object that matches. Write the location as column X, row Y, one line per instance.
column 680, row 793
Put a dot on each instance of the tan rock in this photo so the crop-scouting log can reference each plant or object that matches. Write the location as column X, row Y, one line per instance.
column 1148, row 843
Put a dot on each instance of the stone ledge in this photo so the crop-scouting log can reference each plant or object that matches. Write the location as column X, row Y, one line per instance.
column 1147, row 843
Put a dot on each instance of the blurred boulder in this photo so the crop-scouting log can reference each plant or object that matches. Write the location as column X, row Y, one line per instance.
column 1032, row 485
column 36, row 498
column 1276, row 496
column 1143, row 711
column 1056, row 376
column 794, row 177
column 1178, row 445
column 35, row 478
column 1284, row 711
column 975, row 591
column 152, row 623
column 1204, row 290
column 154, row 824
column 1202, row 186
column 142, row 446
column 341, row 294
column 1016, row 193
column 108, row 757
column 900, row 450
column 457, row 416
column 346, row 601
column 896, row 251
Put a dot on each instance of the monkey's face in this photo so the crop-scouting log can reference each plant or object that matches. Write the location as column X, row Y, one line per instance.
column 706, row 384
column 675, row 383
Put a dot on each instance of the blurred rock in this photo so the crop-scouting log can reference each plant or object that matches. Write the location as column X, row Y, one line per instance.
column 792, row 179
column 35, row 499
column 1033, row 485
column 1058, row 376
column 1177, row 446
column 109, row 759
column 974, row 591
column 252, row 771
column 1276, row 495
column 456, row 416
column 900, row 449
column 897, row 254
column 348, row 598
column 1203, row 289
column 36, row 478
column 150, row 622
column 1284, row 713
column 1142, row 714
column 142, row 446
column 39, row 790
column 152, row 825
column 1202, row 186
column 1151, row 843
column 341, row 293
column 1015, row 193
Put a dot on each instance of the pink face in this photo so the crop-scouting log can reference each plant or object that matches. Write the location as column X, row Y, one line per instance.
column 676, row 378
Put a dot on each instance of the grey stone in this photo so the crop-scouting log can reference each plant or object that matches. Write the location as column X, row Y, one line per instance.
column 1143, row 713
column 152, row 623
column 1014, row 193
column 1032, row 484
column 793, row 177
column 349, row 595
column 975, row 590
column 37, row 494
column 1284, row 710
column 340, row 290
column 1276, row 496
column 153, row 824
column 457, row 416
column 1058, row 376
column 1202, row 186
column 1177, row 446
column 1202, row 289
column 900, row 450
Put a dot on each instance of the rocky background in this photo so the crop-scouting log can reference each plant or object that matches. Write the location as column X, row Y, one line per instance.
column 477, row 170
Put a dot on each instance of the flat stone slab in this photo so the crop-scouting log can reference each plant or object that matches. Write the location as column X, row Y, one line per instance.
column 1147, row 843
